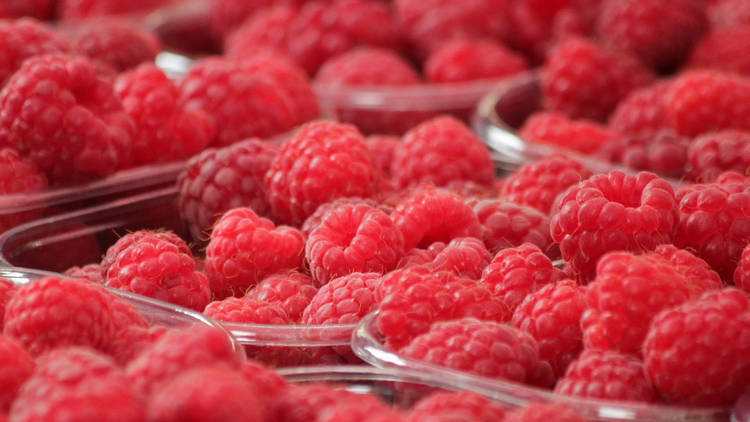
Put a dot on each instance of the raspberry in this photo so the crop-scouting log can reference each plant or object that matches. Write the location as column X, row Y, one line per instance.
column 464, row 256
column 367, row 66
column 431, row 215
column 607, row 375
column 293, row 291
column 268, row 383
column 714, row 223
column 660, row 33
column 422, row 257
column 119, row 44
column 18, row 176
column 471, row 190
column 77, row 9
column 90, row 272
column 440, row 151
column 541, row 412
column 610, row 212
column 345, row 300
column 226, row 15
column 177, row 351
column 474, row 346
column 556, row 129
column 466, row 405
column 245, row 248
column 729, row 13
column 714, row 153
column 314, row 32
column 468, row 60
column 39, row 9
column 506, row 225
column 695, row 270
column 25, row 38
column 244, row 310
column 742, row 272
column 383, row 149
column 321, row 162
column 16, row 366
column 692, row 353
column 661, row 152
column 131, row 341
column 165, row 131
column 584, row 80
column 537, row 184
column 707, row 101
column 77, row 384
column 353, row 238
column 132, row 238
column 307, row 402
column 7, row 290
column 429, row 24
column 642, row 111
column 723, row 50
column 314, row 220
column 218, row 180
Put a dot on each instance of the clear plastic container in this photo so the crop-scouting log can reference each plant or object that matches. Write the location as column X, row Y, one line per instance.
column 59, row 242
column 368, row 345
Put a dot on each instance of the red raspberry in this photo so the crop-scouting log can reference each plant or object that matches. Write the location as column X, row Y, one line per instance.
column 660, row 33
column 353, row 238
column 729, row 13
column 39, row 9
column 584, row 80
column 166, row 131
column 468, row 60
column 431, row 215
column 134, row 339
column 18, row 176
column 742, row 272
column 466, row 405
column 707, row 101
column 551, row 316
column 440, row 151
column 314, row 220
column 312, row 33
column 516, row 272
column 664, row 152
column 464, row 256
column 608, row 375
column 77, row 384
column 345, row 300
column 266, row 382
column 422, row 257
column 506, row 225
column 697, row 272
column 367, row 66
column 16, row 366
column 714, row 153
column 249, row 311
column 49, row 90
column 245, row 248
column 610, row 212
column 218, row 180
column 119, row 44
column 693, row 354
column 25, row 38
column 293, row 291
column 723, row 49
column 542, row 412
column 226, row 15
column 714, row 222
column 620, row 304
column 77, row 9
column 177, row 351
column 471, row 190
column 321, row 162
column 537, row 184
column 383, row 149
column 555, row 128
column 132, row 238
column 301, row 403
column 642, row 111
column 430, row 23
column 7, row 290
column 90, row 272
column 473, row 346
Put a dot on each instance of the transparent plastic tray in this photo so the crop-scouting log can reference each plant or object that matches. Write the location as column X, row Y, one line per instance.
column 368, row 345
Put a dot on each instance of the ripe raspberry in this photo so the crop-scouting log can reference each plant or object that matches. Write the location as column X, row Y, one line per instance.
column 316, row 31
column 90, row 272
column 218, row 180
column 467, row 405
column 25, row 38
column 714, row 223
column 245, row 248
column 506, row 225
column 642, row 111
column 38, row 9
column 383, row 149
column 165, row 131
column 266, row 382
column 293, row 291
column 429, row 24
column 742, row 272
column 714, row 153
column 49, row 90
column 132, row 238
column 18, row 176
column 440, row 151
column 321, row 162
column 610, row 212
column 729, row 13
column 723, row 49
column 206, row 394
column 77, row 9
column 584, row 80
column 464, row 256
column 120, row 44
column 345, row 300
column 16, row 366
column 537, row 184
column 431, row 215
column 245, row 310
column 134, row 339
column 177, row 351
column 367, row 66
column 541, row 412
column 314, row 220
column 608, row 375
column 692, row 353
column 77, row 384
column 696, row 271
column 474, row 346
column 423, row 257
column 555, row 128
column 471, row 190
column 707, row 101
column 467, row 60
column 660, row 33
column 353, row 238
column 664, row 152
